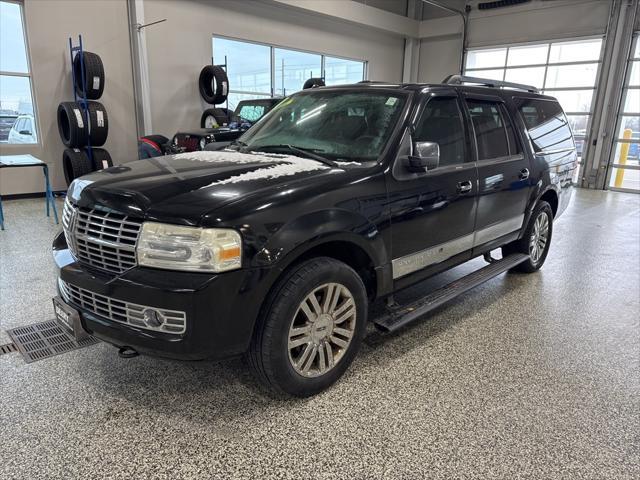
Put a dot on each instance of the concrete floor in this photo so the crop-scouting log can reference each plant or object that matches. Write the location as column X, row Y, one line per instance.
column 527, row 376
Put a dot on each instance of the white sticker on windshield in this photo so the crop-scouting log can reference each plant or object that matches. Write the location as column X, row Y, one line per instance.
column 391, row 101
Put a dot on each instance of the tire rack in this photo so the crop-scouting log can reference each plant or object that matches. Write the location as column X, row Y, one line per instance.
column 83, row 99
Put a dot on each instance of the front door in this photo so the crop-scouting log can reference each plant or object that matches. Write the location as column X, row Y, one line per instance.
column 503, row 170
column 433, row 212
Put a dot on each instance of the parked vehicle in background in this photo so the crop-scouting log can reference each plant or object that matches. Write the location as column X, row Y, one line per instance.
column 277, row 246
column 246, row 114
column 23, row 130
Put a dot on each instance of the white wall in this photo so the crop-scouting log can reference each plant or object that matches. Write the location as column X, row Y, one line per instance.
column 104, row 28
column 178, row 48
column 535, row 21
column 439, row 57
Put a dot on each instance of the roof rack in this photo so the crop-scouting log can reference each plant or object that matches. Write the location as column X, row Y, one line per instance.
column 460, row 79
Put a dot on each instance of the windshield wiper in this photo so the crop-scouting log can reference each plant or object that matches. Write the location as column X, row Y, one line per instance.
column 308, row 152
column 238, row 143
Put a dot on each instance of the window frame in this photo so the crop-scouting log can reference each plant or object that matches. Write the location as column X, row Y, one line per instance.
column 29, row 76
column 273, row 47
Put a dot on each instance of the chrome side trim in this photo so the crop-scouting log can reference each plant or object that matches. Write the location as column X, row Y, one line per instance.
column 417, row 261
column 497, row 230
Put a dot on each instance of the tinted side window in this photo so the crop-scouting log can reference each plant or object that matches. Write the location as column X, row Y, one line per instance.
column 548, row 127
column 491, row 135
column 441, row 122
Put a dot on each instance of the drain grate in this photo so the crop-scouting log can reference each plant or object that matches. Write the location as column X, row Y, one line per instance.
column 45, row 339
column 8, row 348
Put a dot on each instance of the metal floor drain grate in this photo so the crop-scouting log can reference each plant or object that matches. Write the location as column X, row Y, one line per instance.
column 8, row 348
column 45, row 339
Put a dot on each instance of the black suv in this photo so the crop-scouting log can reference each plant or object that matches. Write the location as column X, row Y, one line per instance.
column 338, row 197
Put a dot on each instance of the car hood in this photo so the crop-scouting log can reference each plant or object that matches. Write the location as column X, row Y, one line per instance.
column 183, row 188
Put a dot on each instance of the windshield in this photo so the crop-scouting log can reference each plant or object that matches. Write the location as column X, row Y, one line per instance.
column 347, row 126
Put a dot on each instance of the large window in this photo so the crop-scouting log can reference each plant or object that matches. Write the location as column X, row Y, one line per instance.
column 17, row 120
column 257, row 70
column 625, row 164
column 565, row 70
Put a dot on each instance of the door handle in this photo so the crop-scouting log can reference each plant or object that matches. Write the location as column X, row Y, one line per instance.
column 464, row 187
column 524, row 174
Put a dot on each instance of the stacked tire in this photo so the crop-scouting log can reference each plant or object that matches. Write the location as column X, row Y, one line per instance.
column 213, row 84
column 84, row 125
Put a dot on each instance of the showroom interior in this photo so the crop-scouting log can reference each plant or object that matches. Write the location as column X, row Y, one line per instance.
column 146, row 117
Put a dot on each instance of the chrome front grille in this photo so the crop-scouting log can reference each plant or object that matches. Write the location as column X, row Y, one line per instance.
column 104, row 240
column 132, row 314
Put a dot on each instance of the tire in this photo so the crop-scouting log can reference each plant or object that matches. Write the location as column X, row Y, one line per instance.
column 214, row 84
column 93, row 75
column 269, row 355
column 313, row 82
column 101, row 159
column 215, row 117
column 532, row 264
column 75, row 163
column 73, row 126
column 98, row 124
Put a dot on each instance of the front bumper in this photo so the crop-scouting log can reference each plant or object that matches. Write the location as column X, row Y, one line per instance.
column 220, row 309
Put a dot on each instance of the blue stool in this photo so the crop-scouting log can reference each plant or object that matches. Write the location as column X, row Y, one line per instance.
column 16, row 161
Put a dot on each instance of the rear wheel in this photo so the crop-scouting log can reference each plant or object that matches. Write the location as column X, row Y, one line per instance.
column 536, row 239
column 314, row 322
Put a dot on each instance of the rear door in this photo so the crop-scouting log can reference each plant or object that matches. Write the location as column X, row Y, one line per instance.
column 503, row 170
column 433, row 213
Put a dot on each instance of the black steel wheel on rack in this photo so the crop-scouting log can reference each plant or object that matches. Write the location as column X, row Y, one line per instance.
column 72, row 124
column 215, row 117
column 98, row 124
column 213, row 84
column 101, row 159
column 93, row 75
column 75, row 163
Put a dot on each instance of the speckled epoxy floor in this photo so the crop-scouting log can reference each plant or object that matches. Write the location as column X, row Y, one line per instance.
column 532, row 376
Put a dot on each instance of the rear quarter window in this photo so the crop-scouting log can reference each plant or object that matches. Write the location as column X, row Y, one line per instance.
column 546, row 124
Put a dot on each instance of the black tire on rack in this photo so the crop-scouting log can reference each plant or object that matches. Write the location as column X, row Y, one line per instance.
column 215, row 117
column 93, row 75
column 313, row 82
column 214, row 84
column 101, row 159
column 98, row 124
column 72, row 125
column 75, row 163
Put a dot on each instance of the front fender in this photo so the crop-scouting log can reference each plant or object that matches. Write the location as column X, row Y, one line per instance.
column 312, row 229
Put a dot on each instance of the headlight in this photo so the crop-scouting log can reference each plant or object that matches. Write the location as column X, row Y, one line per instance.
column 174, row 247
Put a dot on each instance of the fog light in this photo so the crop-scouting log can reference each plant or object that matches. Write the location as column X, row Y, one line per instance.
column 152, row 318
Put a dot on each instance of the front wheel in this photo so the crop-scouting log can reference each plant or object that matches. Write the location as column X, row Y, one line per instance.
column 311, row 328
column 536, row 239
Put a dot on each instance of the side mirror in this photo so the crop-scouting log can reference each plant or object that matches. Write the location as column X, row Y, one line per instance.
column 425, row 156
column 24, row 132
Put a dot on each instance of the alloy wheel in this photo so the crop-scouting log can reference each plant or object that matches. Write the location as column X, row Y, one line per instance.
column 322, row 329
column 539, row 237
